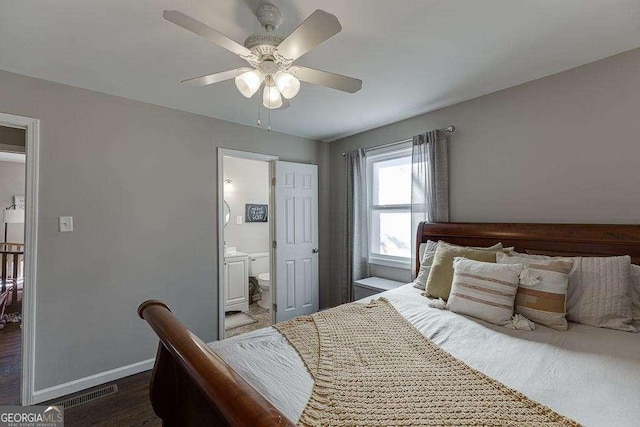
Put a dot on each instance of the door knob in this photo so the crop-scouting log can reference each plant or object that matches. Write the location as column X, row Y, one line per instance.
column 315, row 250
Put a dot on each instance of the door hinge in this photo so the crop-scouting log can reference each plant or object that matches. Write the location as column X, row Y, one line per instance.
column 274, row 244
column 273, row 182
column 275, row 308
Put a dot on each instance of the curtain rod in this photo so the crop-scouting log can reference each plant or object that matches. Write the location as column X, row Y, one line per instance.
column 449, row 129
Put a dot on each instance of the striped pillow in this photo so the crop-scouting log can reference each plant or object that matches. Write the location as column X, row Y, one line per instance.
column 484, row 290
column 546, row 301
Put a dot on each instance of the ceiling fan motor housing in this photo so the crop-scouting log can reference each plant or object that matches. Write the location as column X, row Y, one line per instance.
column 265, row 44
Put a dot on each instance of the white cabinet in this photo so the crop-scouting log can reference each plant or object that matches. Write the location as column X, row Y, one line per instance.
column 236, row 282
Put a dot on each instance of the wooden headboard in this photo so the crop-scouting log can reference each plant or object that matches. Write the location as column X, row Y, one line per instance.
column 545, row 239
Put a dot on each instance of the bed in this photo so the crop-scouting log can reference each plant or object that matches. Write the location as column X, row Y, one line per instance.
column 591, row 375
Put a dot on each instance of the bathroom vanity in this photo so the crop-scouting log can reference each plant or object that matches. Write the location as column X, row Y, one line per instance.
column 236, row 281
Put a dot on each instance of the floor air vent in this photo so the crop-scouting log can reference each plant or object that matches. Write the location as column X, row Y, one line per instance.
column 87, row 397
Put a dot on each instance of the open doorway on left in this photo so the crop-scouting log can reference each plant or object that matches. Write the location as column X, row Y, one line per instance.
column 12, row 227
column 246, row 232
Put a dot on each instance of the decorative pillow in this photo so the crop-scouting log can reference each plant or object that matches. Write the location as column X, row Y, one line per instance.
column 427, row 251
column 600, row 293
column 484, row 290
column 635, row 292
column 441, row 273
column 543, row 300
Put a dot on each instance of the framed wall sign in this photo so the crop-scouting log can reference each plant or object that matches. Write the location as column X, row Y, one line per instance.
column 256, row 213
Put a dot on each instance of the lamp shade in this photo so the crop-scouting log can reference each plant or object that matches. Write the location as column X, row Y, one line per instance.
column 271, row 97
column 287, row 84
column 13, row 216
column 248, row 83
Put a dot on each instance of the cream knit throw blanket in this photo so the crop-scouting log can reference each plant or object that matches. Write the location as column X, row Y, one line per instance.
column 371, row 367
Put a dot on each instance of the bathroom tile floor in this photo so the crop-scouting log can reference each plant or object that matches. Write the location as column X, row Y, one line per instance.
column 260, row 314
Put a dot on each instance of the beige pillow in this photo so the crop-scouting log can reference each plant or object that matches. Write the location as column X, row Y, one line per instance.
column 441, row 273
column 484, row 290
column 544, row 300
column 427, row 253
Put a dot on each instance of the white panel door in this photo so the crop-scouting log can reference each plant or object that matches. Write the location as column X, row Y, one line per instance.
column 296, row 253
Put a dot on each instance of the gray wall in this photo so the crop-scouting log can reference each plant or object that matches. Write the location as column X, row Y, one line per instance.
column 11, row 183
column 140, row 182
column 250, row 185
column 565, row 148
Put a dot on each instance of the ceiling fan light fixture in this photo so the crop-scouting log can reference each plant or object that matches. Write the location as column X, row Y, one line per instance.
column 287, row 84
column 248, row 83
column 271, row 97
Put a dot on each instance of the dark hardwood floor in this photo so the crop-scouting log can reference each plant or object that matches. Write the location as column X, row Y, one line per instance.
column 130, row 406
column 10, row 363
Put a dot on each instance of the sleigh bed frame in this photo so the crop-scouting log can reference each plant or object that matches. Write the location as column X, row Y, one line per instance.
column 192, row 386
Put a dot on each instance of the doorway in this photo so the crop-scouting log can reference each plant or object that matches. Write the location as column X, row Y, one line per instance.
column 246, row 233
column 12, row 201
column 18, row 230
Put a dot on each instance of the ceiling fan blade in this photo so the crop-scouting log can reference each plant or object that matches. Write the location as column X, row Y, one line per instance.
column 205, row 31
column 317, row 28
column 215, row 78
column 324, row 78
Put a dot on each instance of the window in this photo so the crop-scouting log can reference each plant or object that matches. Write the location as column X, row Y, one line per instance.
column 389, row 197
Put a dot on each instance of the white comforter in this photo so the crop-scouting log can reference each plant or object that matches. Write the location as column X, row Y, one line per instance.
column 591, row 375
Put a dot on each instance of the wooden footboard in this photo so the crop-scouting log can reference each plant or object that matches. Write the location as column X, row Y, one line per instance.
column 192, row 386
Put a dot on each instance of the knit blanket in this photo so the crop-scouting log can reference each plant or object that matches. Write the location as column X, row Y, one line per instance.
column 371, row 367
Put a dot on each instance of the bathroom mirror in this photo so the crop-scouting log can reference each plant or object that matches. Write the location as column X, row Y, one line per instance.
column 227, row 213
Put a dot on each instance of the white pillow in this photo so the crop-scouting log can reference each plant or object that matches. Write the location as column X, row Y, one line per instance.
column 599, row 291
column 427, row 251
column 484, row 290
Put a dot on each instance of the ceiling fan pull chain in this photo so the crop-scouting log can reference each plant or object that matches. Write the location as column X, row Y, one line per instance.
column 259, row 122
column 269, row 88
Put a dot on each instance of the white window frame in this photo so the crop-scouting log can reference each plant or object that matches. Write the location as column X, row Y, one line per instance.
column 402, row 149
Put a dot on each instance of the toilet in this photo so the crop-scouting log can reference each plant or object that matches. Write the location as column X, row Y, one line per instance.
column 259, row 268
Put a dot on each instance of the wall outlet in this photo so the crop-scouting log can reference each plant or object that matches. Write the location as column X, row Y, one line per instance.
column 239, row 219
column 65, row 224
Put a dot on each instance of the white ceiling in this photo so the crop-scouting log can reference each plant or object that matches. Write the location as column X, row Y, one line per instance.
column 414, row 56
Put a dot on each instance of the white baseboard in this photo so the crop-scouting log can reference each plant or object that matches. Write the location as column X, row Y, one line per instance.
column 60, row 390
column 91, row 381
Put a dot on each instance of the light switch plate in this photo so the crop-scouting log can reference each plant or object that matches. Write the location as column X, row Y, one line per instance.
column 65, row 224
column 239, row 219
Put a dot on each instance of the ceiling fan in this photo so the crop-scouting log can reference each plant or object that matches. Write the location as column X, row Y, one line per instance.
column 272, row 56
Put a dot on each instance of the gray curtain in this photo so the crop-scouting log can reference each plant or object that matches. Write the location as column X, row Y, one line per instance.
column 356, row 248
column 430, row 181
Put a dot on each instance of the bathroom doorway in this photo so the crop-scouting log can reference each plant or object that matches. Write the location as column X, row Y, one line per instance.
column 245, row 227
